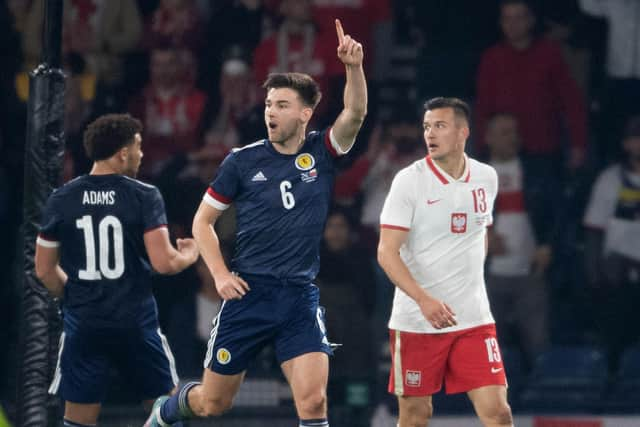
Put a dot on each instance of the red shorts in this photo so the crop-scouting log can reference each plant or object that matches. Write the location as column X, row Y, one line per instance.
column 465, row 360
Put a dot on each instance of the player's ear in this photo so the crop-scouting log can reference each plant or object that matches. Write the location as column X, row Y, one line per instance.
column 464, row 130
column 123, row 153
column 305, row 114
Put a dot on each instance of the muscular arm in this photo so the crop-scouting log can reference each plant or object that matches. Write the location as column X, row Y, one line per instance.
column 436, row 312
column 48, row 270
column 228, row 285
column 165, row 259
column 350, row 120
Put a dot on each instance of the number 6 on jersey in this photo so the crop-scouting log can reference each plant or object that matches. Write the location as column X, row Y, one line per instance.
column 287, row 197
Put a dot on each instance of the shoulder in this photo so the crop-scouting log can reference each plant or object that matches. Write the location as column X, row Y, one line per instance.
column 481, row 169
column 495, row 51
column 143, row 189
column 248, row 150
column 408, row 174
column 611, row 177
column 76, row 184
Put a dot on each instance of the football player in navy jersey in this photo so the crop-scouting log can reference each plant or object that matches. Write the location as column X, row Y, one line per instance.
column 282, row 189
column 101, row 237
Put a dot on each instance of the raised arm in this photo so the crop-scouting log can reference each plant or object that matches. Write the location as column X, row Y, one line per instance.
column 350, row 120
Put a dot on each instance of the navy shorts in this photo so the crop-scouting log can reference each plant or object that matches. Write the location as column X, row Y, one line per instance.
column 288, row 317
column 87, row 355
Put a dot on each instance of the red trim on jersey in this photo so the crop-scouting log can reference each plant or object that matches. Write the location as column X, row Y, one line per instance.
column 47, row 238
column 512, row 201
column 435, row 170
column 327, row 142
column 156, row 227
column 394, row 227
column 219, row 197
column 466, row 178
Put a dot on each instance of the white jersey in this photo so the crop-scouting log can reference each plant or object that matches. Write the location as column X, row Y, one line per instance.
column 446, row 220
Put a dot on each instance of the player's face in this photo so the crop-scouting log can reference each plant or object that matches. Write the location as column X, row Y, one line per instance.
column 134, row 157
column 444, row 133
column 284, row 115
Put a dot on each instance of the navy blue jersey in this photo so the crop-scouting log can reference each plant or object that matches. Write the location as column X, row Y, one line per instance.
column 98, row 222
column 282, row 202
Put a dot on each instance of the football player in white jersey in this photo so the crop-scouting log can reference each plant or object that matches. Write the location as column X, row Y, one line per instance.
column 432, row 247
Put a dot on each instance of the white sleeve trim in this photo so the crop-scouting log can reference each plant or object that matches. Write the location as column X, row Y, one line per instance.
column 47, row 243
column 336, row 146
column 215, row 203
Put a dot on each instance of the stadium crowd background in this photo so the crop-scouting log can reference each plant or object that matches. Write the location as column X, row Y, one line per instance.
column 191, row 71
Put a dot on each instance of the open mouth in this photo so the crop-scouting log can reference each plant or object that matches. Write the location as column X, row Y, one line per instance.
column 272, row 125
column 432, row 146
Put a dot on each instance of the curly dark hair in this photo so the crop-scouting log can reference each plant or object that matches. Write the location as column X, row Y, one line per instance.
column 304, row 84
column 108, row 134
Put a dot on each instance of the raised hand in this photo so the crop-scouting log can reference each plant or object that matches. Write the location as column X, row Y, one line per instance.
column 350, row 51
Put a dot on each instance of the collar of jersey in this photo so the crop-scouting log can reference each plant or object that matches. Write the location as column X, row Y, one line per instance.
column 444, row 177
column 271, row 148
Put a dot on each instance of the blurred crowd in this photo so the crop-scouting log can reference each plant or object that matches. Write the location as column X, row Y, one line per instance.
column 554, row 89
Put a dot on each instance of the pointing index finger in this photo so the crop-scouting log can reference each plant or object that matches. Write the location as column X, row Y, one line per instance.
column 340, row 31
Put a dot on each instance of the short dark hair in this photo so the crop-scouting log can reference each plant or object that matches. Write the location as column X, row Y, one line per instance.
column 304, row 84
column 108, row 134
column 460, row 108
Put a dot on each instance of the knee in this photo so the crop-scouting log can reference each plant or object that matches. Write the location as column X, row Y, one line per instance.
column 212, row 407
column 500, row 414
column 314, row 404
column 419, row 415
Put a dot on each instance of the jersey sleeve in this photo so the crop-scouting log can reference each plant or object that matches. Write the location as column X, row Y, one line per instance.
column 49, row 233
column 397, row 212
column 153, row 212
column 225, row 185
column 332, row 145
column 602, row 203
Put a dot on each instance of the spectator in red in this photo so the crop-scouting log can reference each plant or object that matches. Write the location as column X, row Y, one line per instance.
column 101, row 31
column 176, row 23
column 296, row 47
column 526, row 76
column 170, row 107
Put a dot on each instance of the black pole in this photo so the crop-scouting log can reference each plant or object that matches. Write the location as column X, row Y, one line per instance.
column 44, row 151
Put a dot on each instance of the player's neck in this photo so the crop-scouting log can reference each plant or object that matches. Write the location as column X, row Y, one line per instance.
column 453, row 165
column 104, row 167
column 291, row 145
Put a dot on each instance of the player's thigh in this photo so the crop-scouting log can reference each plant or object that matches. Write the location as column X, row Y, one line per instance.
column 82, row 372
column 240, row 331
column 307, row 373
column 418, row 362
column 302, row 329
column 490, row 403
column 82, row 413
column 475, row 360
column 146, row 362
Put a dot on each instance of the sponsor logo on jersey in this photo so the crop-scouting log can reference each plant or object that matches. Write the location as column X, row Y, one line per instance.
column 259, row 177
column 413, row 378
column 305, row 161
column 223, row 356
column 310, row 176
column 458, row 222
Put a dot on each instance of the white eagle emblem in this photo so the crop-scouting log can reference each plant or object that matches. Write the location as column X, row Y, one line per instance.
column 458, row 222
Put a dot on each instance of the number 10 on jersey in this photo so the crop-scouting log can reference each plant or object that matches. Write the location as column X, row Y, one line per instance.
column 93, row 271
